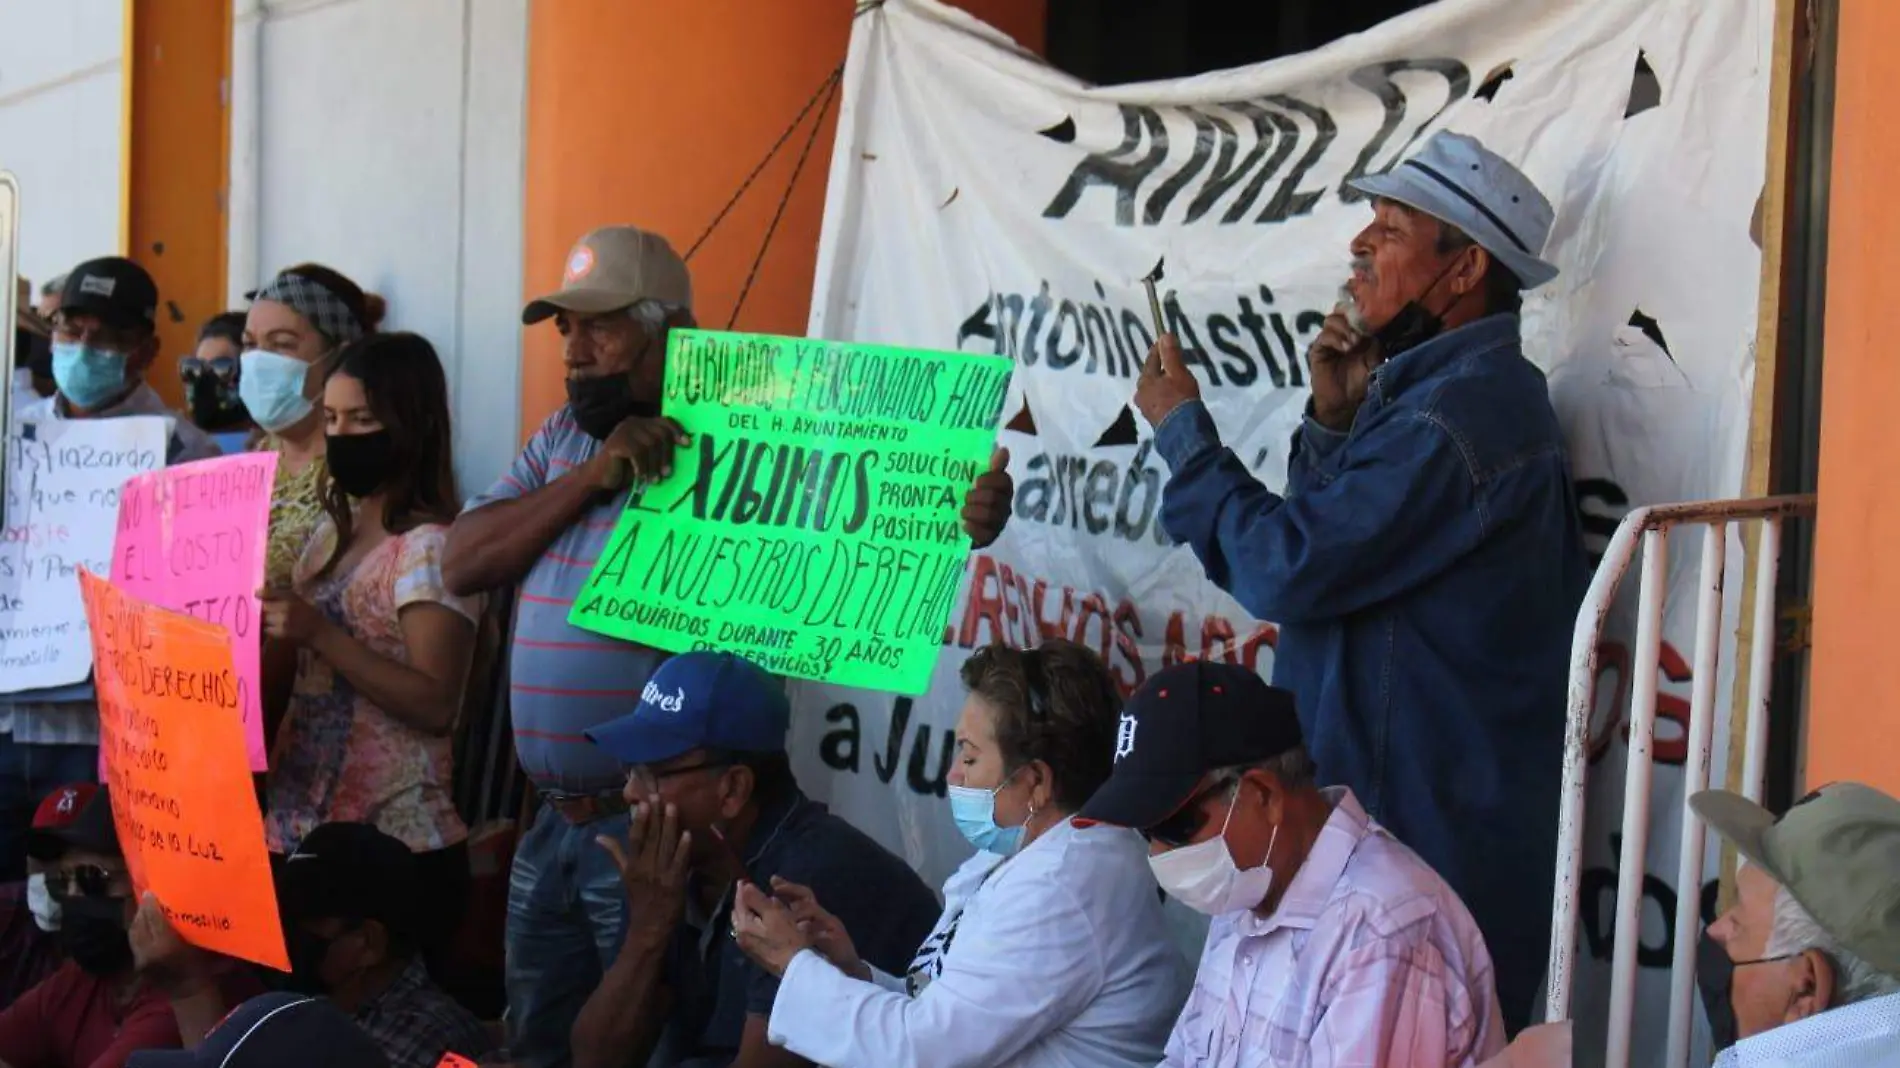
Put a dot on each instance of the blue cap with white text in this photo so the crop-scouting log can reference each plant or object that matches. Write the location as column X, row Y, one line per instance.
column 702, row 700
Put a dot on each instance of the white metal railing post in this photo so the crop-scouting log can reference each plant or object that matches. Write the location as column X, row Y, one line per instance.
column 1651, row 525
column 1688, row 918
column 1629, row 881
column 1584, row 658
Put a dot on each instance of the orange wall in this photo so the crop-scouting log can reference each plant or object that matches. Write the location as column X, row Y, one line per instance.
column 1854, row 692
column 651, row 112
column 176, row 152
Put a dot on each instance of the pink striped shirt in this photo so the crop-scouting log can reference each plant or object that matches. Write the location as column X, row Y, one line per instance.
column 1370, row 961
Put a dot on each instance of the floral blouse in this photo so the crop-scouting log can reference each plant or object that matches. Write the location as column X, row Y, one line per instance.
column 296, row 505
column 339, row 757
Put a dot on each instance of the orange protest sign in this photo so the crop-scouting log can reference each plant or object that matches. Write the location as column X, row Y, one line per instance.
column 175, row 758
column 454, row 1060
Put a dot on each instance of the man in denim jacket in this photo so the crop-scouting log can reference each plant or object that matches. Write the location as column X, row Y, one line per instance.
column 1425, row 565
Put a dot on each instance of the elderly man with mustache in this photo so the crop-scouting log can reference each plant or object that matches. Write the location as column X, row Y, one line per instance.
column 1424, row 563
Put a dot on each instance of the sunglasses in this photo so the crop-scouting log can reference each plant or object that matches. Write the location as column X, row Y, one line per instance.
column 222, row 367
column 1179, row 829
column 85, row 880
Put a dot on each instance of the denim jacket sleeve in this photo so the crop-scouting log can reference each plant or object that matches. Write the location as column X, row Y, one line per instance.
column 1360, row 526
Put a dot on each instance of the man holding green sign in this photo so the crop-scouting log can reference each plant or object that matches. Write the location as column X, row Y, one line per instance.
column 787, row 476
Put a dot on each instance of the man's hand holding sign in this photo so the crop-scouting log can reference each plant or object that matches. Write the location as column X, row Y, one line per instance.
column 640, row 451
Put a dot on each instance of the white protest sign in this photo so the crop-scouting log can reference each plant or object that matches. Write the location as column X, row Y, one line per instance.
column 62, row 507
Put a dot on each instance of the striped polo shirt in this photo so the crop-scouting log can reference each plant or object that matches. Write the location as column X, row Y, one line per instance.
column 566, row 680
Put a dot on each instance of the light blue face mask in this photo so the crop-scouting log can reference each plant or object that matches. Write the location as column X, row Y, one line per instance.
column 975, row 813
column 86, row 376
column 271, row 387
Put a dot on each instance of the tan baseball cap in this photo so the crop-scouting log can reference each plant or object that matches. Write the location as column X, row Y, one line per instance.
column 1837, row 851
column 612, row 268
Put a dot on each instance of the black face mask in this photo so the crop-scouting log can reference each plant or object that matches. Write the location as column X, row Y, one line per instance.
column 1414, row 325
column 359, row 463
column 92, row 933
column 603, row 402
column 306, row 962
column 1410, row 328
column 214, row 403
column 1715, row 975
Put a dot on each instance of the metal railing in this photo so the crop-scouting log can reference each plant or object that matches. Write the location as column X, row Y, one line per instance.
column 1652, row 525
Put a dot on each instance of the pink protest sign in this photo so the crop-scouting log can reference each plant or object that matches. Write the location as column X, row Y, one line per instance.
column 192, row 539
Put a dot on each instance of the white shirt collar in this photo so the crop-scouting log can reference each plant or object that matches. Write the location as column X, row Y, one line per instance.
column 1312, row 886
column 1867, row 1032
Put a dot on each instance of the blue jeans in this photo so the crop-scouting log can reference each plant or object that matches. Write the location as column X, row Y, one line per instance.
column 567, row 916
column 29, row 772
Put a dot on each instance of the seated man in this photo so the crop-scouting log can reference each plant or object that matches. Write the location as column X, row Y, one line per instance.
column 1332, row 943
column 353, row 911
column 1808, row 967
column 277, row 1031
column 94, row 1012
column 714, row 803
column 29, row 917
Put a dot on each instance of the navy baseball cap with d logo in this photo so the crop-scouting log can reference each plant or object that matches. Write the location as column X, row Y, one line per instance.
column 703, row 700
column 1184, row 722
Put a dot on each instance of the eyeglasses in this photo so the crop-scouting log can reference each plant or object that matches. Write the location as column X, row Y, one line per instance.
column 105, row 337
column 1180, row 828
column 191, row 368
column 646, row 780
column 85, row 880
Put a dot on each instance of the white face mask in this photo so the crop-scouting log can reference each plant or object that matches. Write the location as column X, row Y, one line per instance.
column 41, row 901
column 272, row 389
column 1205, row 878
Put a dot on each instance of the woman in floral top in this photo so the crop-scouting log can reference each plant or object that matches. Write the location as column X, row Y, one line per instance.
column 383, row 647
column 294, row 329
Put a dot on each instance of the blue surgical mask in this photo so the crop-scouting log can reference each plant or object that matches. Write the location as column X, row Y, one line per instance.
column 974, row 811
column 86, row 376
column 271, row 387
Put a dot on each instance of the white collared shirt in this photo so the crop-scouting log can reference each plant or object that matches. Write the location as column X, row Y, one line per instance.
column 1056, row 958
column 1370, row 961
column 1865, row 1034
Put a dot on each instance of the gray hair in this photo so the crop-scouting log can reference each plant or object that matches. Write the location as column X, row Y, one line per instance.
column 653, row 315
column 1294, row 768
column 1795, row 931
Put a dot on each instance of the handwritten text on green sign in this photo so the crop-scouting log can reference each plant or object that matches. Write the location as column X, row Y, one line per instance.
column 812, row 524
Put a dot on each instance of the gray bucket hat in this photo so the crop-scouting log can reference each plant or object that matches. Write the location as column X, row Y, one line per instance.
column 1457, row 180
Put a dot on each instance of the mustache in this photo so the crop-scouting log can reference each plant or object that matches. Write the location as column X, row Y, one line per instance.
column 1361, row 267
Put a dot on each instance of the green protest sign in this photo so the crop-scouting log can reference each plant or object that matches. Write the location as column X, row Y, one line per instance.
column 812, row 523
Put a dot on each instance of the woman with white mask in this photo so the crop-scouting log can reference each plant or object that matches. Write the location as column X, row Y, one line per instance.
column 296, row 325
column 1051, row 952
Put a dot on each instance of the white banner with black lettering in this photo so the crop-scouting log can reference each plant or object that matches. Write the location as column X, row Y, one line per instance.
column 982, row 200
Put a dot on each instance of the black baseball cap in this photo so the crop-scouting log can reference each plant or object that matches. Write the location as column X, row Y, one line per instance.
column 113, row 288
column 352, row 871
column 1184, row 722
column 276, row 1031
column 78, row 816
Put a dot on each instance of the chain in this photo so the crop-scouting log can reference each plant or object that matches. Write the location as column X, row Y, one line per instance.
column 823, row 93
column 791, row 186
